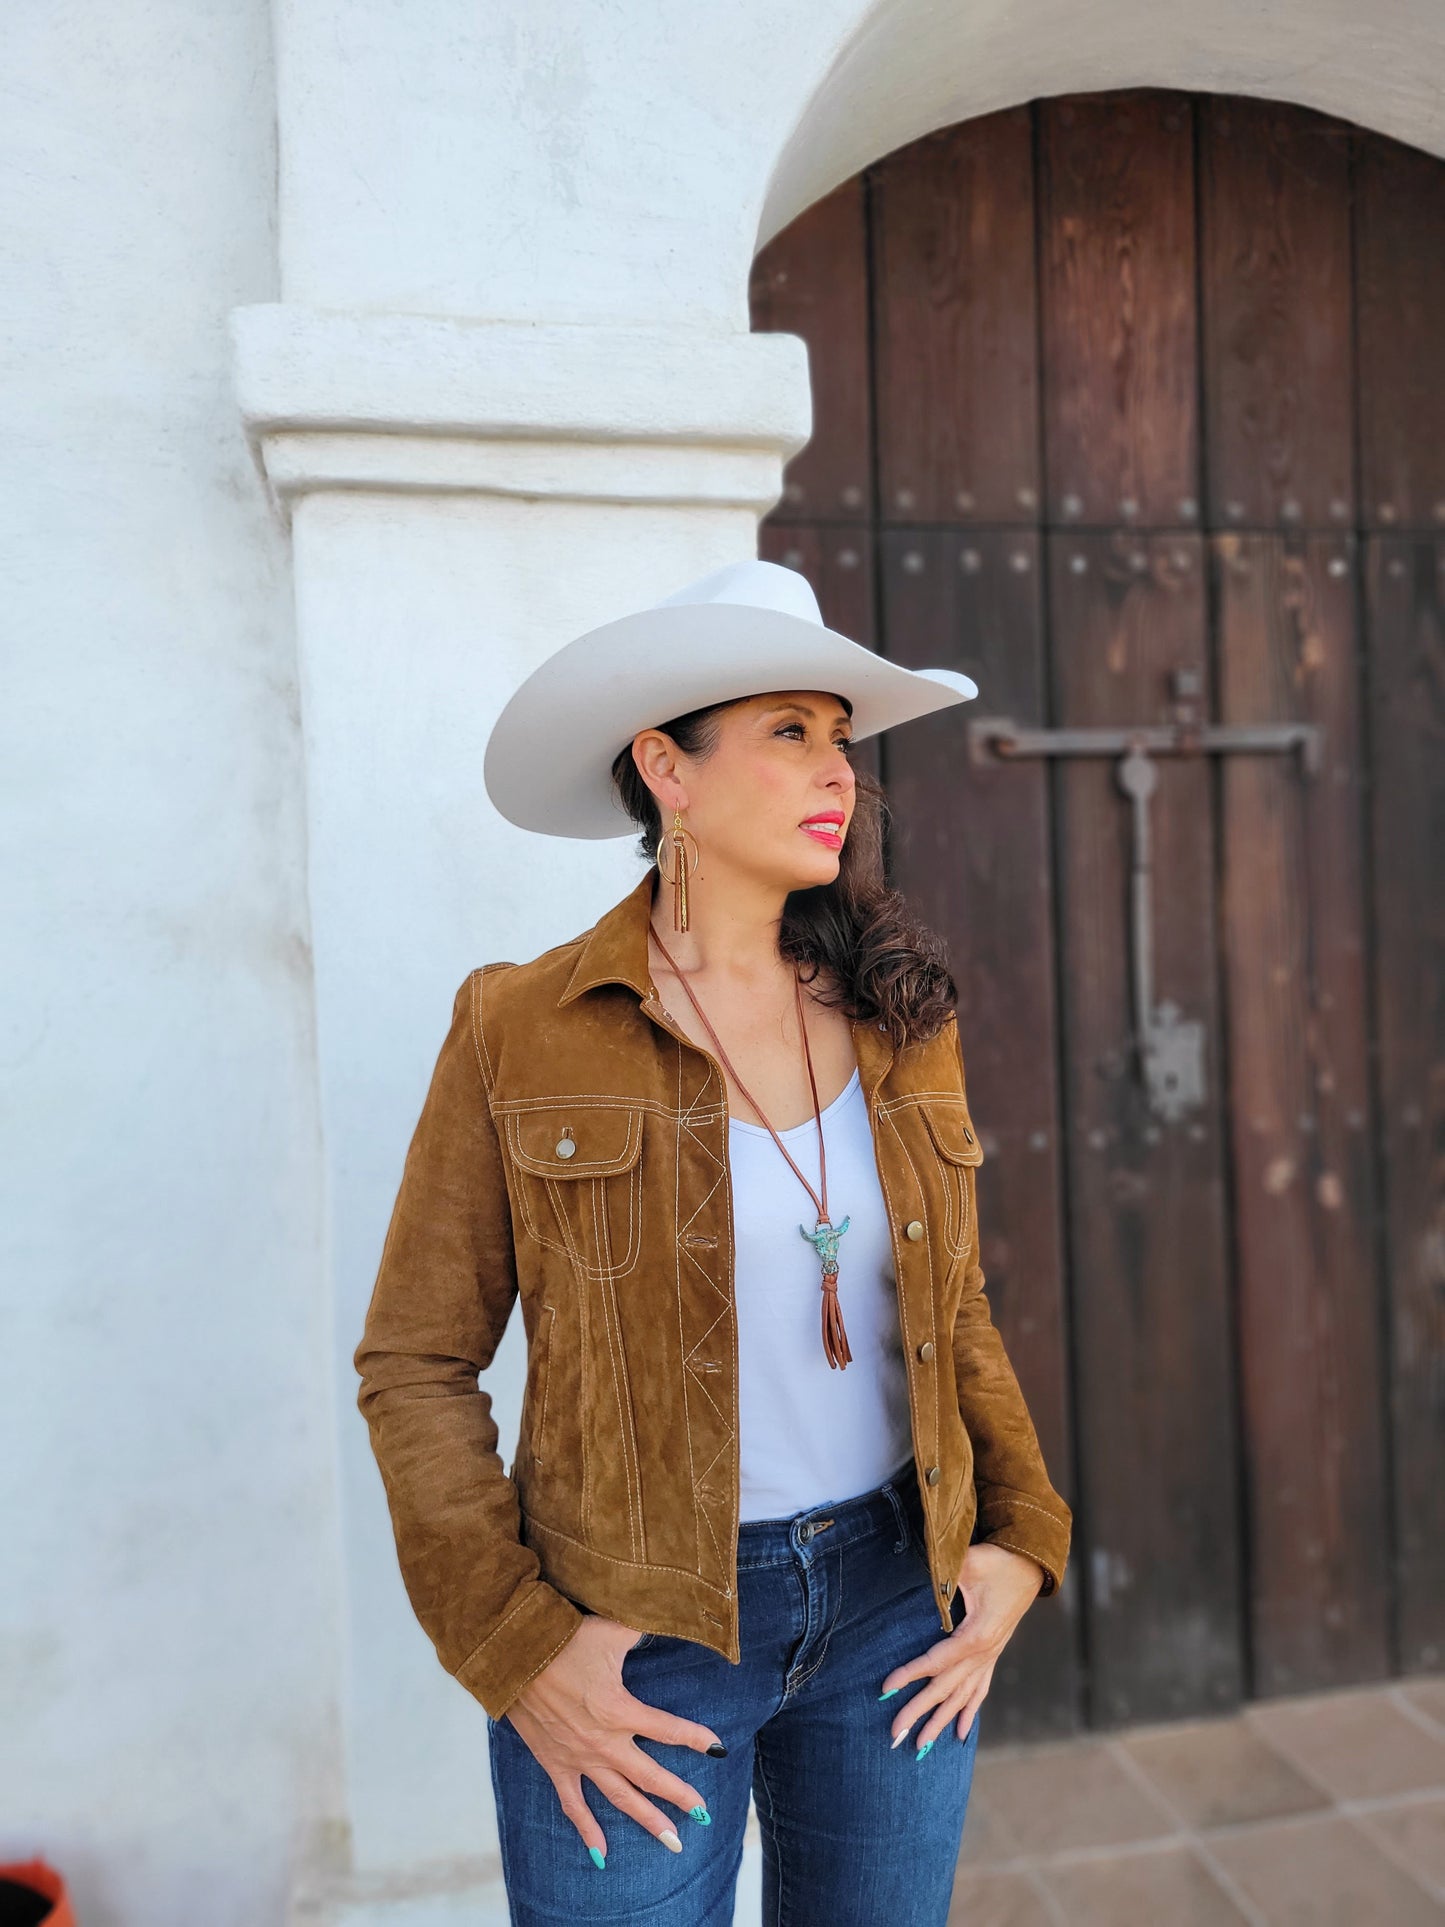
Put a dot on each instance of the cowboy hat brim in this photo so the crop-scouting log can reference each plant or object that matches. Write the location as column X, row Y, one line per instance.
column 548, row 759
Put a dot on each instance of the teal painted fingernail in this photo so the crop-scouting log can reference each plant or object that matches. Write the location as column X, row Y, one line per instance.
column 701, row 1815
column 599, row 1858
column 891, row 1691
column 923, row 1749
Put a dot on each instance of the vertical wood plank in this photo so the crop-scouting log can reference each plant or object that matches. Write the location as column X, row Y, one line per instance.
column 1148, row 1253
column 1309, row 1295
column 812, row 280
column 1276, row 289
column 956, row 349
column 971, row 853
column 1400, row 294
column 1406, row 600
column 1120, row 341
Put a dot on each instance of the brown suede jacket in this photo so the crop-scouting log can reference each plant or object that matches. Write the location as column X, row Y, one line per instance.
column 572, row 1151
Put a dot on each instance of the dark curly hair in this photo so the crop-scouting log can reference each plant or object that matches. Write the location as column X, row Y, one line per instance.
column 890, row 968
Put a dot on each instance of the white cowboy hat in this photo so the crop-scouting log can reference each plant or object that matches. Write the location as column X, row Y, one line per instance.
column 741, row 631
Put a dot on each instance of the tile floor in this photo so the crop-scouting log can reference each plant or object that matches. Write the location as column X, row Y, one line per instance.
column 1326, row 1810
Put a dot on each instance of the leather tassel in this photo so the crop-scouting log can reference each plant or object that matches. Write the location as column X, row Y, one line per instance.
column 677, row 840
column 679, row 871
column 835, row 1335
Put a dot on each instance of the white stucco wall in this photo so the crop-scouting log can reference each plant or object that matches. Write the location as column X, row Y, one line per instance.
column 473, row 283
column 169, row 1597
column 621, row 163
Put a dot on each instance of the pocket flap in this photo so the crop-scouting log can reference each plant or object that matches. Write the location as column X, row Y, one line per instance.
column 951, row 1128
column 576, row 1140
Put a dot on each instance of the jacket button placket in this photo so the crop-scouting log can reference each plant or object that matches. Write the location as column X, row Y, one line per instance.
column 925, row 1386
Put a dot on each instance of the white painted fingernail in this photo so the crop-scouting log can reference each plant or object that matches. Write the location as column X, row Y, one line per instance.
column 670, row 1839
column 899, row 1741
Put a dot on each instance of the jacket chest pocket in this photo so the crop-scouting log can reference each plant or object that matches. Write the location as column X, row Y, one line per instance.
column 958, row 1153
column 580, row 1182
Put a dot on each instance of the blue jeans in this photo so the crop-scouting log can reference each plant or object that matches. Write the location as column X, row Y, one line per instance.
column 853, row 1832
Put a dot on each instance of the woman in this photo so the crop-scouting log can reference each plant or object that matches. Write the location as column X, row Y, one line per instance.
column 720, row 1146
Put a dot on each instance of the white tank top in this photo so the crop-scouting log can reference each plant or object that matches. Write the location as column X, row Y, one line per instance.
column 811, row 1434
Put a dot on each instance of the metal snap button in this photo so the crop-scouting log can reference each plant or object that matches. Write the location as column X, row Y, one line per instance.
column 968, row 1134
column 933, row 1475
column 566, row 1148
column 925, row 1350
column 915, row 1230
column 805, row 1532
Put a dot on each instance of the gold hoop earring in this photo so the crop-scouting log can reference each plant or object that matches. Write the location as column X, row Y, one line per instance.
column 678, row 838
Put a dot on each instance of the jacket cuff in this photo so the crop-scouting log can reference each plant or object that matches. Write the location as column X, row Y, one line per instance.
column 1021, row 1524
column 529, row 1635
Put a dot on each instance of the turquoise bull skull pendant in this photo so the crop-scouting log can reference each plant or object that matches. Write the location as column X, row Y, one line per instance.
column 825, row 1242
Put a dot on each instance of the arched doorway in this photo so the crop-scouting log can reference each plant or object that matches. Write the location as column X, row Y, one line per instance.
column 1130, row 404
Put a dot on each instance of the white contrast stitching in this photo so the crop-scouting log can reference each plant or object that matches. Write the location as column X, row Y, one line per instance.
column 573, row 1248
column 677, row 1296
column 551, row 1311
column 902, row 1298
column 955, row 1198
column 937, row 1458
column 476, row 993
column 601, row 1101
column 632, row 1565
column 907, row 1098
column 500, row 1627
column 622, row 1389
column 577, row 1167
column 986, row 1505
column 729, row 1434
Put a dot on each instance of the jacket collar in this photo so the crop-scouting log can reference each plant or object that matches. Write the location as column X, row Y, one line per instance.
column 616, row 948
column 615, row 952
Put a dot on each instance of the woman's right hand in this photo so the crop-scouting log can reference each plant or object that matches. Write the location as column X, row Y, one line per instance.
column 578, row 1718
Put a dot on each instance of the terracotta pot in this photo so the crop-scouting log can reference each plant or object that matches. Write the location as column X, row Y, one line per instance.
column 33, row 1894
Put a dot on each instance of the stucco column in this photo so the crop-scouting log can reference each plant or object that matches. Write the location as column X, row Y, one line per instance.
column 463, row 497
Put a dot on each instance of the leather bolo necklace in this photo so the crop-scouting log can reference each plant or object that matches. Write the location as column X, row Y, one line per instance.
column 824, row 1237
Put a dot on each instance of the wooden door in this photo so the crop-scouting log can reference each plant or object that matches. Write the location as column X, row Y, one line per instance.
column 1131, row 406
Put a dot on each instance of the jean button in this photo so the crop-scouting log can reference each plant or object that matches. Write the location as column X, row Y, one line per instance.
column 805, row 1532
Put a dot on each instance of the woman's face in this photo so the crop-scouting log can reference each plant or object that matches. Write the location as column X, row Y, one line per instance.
column 781, row 760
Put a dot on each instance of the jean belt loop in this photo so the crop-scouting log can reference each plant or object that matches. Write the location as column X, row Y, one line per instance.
column 899, row 1515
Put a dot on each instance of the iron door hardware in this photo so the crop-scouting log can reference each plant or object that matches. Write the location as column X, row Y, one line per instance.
column 1169, row 1046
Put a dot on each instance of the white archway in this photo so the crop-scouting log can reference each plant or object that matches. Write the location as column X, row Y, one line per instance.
column 910, row 66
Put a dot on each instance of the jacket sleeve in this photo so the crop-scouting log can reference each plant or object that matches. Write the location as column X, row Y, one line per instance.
column 439, row 1307
column 1017, row 1506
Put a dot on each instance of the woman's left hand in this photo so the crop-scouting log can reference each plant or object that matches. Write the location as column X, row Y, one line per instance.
column 998, row 1587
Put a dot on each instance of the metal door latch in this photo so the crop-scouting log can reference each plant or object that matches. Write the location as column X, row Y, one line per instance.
column 1169, row 1046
